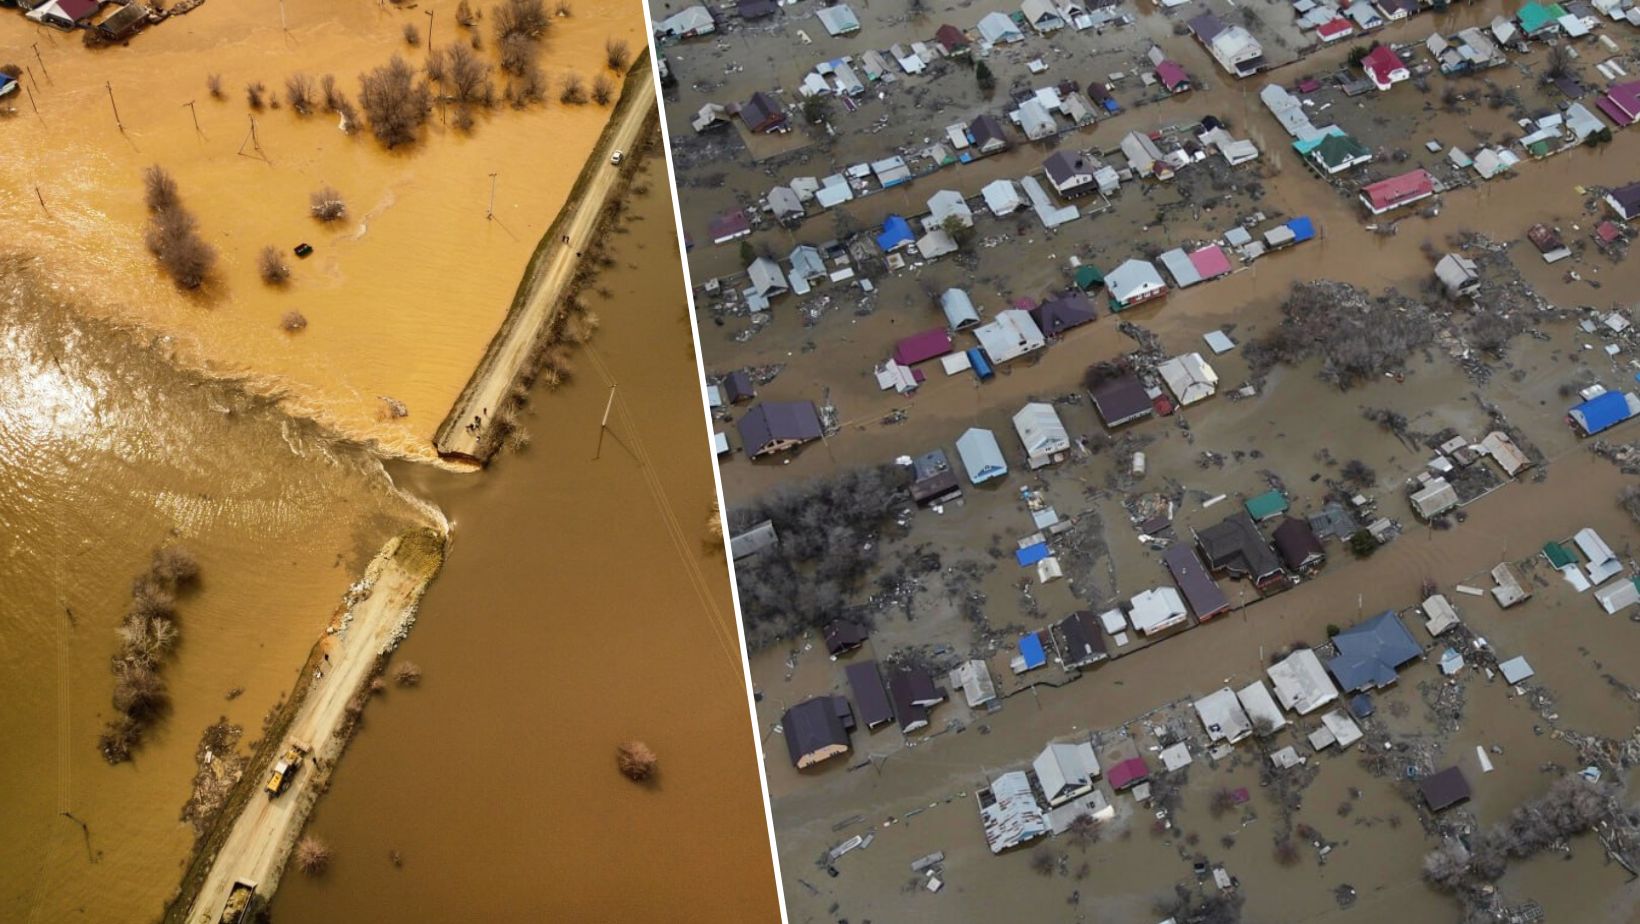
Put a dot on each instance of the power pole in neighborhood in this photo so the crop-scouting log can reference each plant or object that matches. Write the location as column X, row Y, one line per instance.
column 490, row 214
column 42, row 61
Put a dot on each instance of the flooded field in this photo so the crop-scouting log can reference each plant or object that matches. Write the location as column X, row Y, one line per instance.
column 400, row 297
column 944, row 586
column 108, row 452
column 535, row 670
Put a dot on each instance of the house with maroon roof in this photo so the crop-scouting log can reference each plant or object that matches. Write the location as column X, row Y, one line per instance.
column 762, row 113
column 1128, row 773
column 1172, row 76
column 921, row 347
column 1397, row 191
column 951, row 39
column 729, row 225
column 1621, row 103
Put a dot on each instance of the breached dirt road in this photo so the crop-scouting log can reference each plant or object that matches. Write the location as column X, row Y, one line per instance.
column 464, row 435
column 261, row 838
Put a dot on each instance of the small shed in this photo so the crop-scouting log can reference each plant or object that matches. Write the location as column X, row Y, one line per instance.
column 1444, row 789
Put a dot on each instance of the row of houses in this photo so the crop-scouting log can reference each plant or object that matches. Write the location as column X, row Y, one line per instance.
column 112, row 20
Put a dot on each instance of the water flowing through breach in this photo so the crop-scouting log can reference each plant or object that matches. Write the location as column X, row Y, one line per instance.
column 107, row 451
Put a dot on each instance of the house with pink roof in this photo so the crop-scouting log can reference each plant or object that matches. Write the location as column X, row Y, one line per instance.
column 1210, row 262
column 1621, row 103
column 1384, row 67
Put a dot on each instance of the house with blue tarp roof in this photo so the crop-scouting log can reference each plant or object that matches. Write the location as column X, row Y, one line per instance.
column 1370, row 651
column 1302, row 227
column 7, row 84
column 1031, row 653
column 1031, row 554
column 896, row 234
column 1602, row 412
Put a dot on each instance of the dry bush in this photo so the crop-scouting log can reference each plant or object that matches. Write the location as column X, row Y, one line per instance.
column 299, row 93
column 469, row 78
column 603, row 90
column 574, row 91
column 159, row 189
column 394, row 101
column 464, row 120
column 1286, row 852
column 326, row 204
column 350, row 116
column 174, row 568
column 254, row 94
column 436, row 66
column 292, row 322
column 579, row 326
column 1043, row 862
column 139, row 693
column 173, row 237
column 528, row 88
column 270, row 263
column 517, row 53
column 561, row 8
column 1630, row 501
column 617, row 54
column 636, row 761
column 520, row 17
column 1221, row 802
column 213, row 83
column 412, row 35
column 333, row 98
column 407, row 674
column 119, row 739
column 464, row 15
column 312, row 856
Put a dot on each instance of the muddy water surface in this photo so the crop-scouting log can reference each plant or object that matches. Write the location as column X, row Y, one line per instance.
column 106, row 452
column 401, row 297
column 579, row 607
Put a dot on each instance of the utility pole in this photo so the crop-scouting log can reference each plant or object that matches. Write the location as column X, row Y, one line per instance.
column 251, row 140
column 115, row 107
column 42, row 198
column 42, row 61
column 429, row 33
column 195, row 114
column 284, row 24
column 604, row 424
column 490, row 215
column 32, row 104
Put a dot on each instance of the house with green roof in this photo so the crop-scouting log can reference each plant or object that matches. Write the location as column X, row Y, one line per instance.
column 1088, row 277
column 1338, row 152
column 1271, row 503
column 1539, row 19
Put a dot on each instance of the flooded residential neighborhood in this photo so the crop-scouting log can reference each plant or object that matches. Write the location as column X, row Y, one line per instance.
column 345, row 383
column 1180, row 458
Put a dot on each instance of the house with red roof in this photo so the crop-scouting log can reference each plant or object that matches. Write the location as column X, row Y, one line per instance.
column 1621, row 103
column 1172, row 75
column 1384, row 67
column 1397, row 191
column 1334, row 30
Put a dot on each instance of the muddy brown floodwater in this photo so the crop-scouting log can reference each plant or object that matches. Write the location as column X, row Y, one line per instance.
column 401, row 297
column 106, row 452
column 579, row 607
